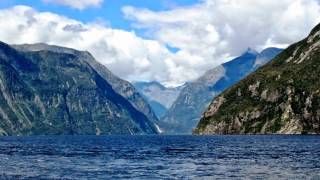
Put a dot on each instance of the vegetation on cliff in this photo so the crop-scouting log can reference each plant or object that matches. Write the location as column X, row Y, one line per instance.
column 281, row 97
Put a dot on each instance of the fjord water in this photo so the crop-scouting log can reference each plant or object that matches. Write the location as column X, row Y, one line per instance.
column 160, row 157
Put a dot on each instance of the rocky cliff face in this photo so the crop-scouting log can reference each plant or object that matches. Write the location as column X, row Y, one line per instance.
column 49, row 92
column 282, row 97
column 122, row 87
column 195, row 97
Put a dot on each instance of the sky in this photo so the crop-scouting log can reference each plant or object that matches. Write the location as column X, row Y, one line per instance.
column 170, row 41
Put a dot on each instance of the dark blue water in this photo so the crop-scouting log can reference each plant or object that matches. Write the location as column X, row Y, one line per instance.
column 160, row 157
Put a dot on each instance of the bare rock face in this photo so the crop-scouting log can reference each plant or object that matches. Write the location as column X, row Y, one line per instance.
column 214, row 107
column 282, row 97
column 47, row 92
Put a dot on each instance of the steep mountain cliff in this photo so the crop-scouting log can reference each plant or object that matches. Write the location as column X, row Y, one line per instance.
column 281, row 97
column 195, row 97
column 48, row 92
column 122, row 87
column 159, row 97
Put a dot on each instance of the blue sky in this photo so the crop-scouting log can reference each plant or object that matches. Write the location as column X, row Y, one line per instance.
column 110, row 11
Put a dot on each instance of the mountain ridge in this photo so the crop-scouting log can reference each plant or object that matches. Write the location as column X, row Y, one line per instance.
column 45, row 92
column 196, row 96
column 281, row 97
column 121, row 86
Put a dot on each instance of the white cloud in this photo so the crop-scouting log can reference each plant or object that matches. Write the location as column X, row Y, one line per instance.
column 77, row 4
column 214, row 29
column 207, row 34
column 123, row 52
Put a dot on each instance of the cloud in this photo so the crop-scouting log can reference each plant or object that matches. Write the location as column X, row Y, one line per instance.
column 204, row 35
column 214, row 29
column 124, row 53
column 74, row 28
column 77, row 4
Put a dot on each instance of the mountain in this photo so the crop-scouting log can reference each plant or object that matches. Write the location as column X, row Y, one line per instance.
column 159, row 97
column 195, row 97
column 48, row 92
column 282, row 97
column 122, row 87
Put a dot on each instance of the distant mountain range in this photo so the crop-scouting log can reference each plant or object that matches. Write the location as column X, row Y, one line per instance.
column 195, row 97
column 159, row 97
column 282, row 97
column 54, row 90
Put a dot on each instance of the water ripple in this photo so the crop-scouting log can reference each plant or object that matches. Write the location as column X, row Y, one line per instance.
column 160, row 157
